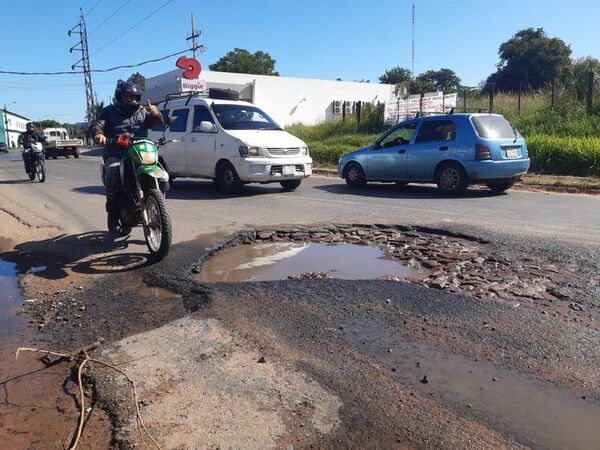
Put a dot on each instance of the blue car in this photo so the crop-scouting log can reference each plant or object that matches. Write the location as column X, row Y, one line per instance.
column 453, row 150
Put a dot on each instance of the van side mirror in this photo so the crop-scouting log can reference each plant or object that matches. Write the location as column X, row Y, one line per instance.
column 171, row 122
column 206, row 127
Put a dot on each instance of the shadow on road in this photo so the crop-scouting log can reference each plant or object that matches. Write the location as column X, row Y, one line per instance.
column 382, row 190
column 52, row 257
column 206, row 190
column 97, row 190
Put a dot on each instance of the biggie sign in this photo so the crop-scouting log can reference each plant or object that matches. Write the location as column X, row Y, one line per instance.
column 191, row 66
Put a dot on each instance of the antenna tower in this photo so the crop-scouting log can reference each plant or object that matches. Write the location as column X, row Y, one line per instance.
column 84, row 63
column 413, row 38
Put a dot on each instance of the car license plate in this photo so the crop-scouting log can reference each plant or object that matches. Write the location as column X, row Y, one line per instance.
column 289, row 170
column 512, row 153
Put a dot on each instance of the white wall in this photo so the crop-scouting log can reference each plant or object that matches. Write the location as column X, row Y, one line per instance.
column 15, row 124
column 287, row 100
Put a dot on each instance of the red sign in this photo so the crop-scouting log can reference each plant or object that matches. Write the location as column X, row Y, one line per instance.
column 192, row 67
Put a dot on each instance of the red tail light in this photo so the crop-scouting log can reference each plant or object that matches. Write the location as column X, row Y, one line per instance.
column 482, row 152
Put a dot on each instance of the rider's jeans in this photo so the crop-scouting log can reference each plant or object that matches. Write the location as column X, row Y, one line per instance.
column 112, row 184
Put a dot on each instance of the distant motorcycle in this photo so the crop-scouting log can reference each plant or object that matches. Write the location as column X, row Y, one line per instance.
column 36, row 167
column 142, row 200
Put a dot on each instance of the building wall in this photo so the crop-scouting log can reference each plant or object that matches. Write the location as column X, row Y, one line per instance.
column 287, row 100
column 12, row 125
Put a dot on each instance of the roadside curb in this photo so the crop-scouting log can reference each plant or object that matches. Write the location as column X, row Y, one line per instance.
column 520, row 186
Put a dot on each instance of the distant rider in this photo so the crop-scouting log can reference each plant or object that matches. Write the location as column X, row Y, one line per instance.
column 125, row 115
column 26, row 139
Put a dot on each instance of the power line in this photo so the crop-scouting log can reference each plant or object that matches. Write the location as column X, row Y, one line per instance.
column 110, row 69
column 135, row 25
column 109, row 17
column 92, row 8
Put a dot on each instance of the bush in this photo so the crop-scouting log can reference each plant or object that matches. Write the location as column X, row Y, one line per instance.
column 564, row 155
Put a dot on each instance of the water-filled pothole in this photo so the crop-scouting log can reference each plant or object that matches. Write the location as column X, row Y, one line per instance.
column 269, row 261
column 539, row 412
column 10, row 299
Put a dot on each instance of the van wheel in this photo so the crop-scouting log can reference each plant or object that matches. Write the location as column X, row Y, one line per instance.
column 500, row 186
column 452, row 179
column 290, row 185
column 228, row 179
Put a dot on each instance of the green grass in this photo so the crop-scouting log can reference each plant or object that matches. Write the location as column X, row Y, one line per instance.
column 564, row 155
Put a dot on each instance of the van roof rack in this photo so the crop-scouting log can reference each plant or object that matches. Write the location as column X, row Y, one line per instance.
column 214, row 93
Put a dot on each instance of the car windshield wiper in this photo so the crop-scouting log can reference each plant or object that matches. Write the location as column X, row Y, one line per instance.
column 271, row 128
column 514, row 131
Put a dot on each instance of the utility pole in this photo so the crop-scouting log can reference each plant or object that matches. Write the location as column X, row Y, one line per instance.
column 413, row 38
column 84, row 63
column 193, row 37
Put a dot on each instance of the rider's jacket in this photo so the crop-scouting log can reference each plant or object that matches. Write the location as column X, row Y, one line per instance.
column 29, row 137
column 114, row 121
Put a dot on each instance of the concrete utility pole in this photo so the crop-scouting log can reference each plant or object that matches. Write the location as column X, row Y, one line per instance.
column 84, row 63
column 193, row 37
column 6, row 123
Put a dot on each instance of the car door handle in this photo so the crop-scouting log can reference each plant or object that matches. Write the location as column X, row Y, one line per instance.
column 443, row 148
column 192, row 139
column 402, row 150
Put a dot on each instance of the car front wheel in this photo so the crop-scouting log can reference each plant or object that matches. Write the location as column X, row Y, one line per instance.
column 355, row 175
column 452, row 179
column 290, row 185
column 500, row 186
column 228, row 179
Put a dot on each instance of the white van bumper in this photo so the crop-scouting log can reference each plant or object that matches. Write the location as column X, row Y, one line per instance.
column 266, row 170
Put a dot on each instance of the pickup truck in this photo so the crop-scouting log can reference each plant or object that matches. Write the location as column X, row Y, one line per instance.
column 60, row 144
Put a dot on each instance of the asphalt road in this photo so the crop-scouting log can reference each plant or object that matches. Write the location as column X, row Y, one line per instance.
column 73, row 190
column 342, row 362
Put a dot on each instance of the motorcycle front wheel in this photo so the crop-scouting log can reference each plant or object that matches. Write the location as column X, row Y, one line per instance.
column 40, row 170
column 158, row 232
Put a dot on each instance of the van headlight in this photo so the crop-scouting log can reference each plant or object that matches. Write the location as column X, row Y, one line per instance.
column 249, row 151
column 148, row 157
column 304, row 151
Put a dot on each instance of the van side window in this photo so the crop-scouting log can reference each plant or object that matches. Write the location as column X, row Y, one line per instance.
column 165, row 114
column 436, row 130
column 201, row 114
column 181, row 119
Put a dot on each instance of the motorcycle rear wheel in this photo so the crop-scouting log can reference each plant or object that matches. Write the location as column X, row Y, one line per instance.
column 158, row 232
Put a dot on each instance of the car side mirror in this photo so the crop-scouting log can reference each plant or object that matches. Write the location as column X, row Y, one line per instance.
column 206, row 127
column 171, row 122
column 375, row 145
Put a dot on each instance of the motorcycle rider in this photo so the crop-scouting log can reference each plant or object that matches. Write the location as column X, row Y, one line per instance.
column 125, row 115
column 27, row 138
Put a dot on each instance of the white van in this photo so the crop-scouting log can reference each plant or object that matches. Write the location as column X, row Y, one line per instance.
column 231, row 142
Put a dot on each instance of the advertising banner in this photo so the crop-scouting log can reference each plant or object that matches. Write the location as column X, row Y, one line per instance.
column 398, row 109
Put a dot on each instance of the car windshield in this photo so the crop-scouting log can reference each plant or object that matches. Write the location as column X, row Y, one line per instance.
column 243, row 117
column 494, row 127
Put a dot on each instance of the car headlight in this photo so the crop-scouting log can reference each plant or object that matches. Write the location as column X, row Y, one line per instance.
column 340, row 160
column 304, row 151
column 148, row 157
column 249, row 151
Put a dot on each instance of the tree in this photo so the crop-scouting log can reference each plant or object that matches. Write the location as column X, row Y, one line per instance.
column 581, row 69
column 49, row 123
column 396, row 75
column 240, row 60
column 531, row 59
column 138, row 79
column 418, row 86
column 444, row 80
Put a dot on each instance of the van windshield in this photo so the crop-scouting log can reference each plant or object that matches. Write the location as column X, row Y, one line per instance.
column 243, row 117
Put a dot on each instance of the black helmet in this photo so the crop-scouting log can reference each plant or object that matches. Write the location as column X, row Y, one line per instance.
column 31, row 126
column 127, row 87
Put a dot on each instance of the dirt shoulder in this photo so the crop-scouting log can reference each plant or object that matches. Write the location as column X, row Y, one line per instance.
column 530, row 182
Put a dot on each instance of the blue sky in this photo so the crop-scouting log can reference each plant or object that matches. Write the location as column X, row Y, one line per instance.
column 328, row 39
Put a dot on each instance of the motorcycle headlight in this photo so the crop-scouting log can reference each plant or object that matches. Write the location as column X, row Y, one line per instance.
column 249, row 151
column 148, row 157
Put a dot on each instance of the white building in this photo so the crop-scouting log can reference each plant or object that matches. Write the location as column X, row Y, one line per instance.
column 287, row 100
column 11, row 126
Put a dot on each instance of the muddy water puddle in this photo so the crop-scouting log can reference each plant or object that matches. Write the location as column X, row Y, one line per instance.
column 279, row 260
column 37, row 410
column 536, row 412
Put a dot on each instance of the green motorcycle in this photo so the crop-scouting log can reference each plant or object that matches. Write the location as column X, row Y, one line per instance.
column 142, row 199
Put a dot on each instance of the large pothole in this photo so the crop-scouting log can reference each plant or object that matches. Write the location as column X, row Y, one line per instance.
column 395, row 253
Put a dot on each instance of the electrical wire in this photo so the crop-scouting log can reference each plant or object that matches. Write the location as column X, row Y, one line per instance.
column 92, row 8
column 133, row 26
column 110, row 69
column 109, row 17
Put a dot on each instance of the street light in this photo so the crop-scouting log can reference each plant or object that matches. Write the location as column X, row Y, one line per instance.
column 6, row 124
